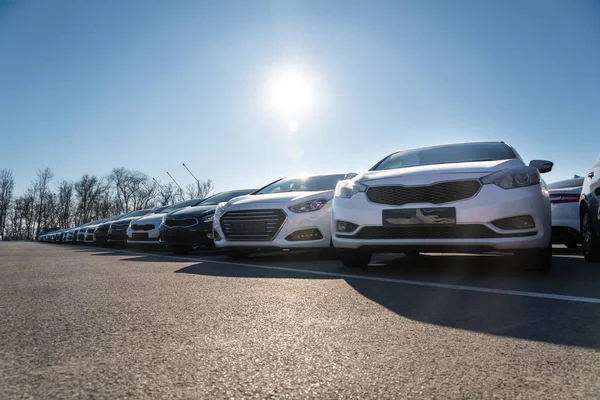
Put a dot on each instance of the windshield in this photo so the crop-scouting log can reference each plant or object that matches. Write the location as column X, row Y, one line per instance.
column 456, row 153
column 183, row 204
column 224, row 197
column 303, row 184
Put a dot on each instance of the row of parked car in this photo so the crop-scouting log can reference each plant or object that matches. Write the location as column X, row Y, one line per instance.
column 470, row 197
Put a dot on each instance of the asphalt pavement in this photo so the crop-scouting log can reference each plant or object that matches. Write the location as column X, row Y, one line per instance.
column 100, row 323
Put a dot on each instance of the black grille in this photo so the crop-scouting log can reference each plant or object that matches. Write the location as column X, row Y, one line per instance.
column 444, row 192
column 473, row 231
column 80, row 236
column 91, row 230
column 146, row 227
column 181, row 222
column 252, row 225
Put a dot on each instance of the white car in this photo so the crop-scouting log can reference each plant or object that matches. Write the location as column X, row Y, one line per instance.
column 564, row 197
column 144, row 231
column 291, row 213
column 472, row 197
column 80, row 232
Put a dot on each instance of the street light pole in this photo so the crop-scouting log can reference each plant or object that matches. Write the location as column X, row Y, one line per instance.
column 188, row 170
column 180, row 189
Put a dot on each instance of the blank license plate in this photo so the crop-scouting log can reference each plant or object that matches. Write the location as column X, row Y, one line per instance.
column 420, row 216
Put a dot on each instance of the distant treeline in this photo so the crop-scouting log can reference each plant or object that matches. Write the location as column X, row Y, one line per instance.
column 46, row 203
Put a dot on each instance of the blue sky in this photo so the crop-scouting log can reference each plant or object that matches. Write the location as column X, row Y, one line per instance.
column 91, row 85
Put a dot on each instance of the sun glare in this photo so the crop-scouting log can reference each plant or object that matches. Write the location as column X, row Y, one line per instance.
column 291, row 96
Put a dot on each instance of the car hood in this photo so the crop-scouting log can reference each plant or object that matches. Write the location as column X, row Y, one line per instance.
column 279, row 199
column 149, row 219
column 427, row 174
column 195, row 211
column 122, row 220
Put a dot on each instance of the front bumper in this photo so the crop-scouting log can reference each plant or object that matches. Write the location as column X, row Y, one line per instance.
column 473, row 216
column 195, row 235
column 294, row 222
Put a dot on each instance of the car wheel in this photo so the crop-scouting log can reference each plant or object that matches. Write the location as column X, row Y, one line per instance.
column 590, row 242
column 572, row 245
column 237, row 254
column 354, row 258
column 181, row 249
column 535, row 259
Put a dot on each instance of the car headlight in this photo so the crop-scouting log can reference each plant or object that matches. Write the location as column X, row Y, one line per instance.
column 347, row 189
column 308, row 206
column 220, row 210
column 208, row 218
column 513, row 178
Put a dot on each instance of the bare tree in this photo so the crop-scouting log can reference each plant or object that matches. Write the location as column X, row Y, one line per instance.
column 200, row 189
column 88, row 192
column 65, row 203
column 40, row 188
column 167, row 194
column 27, row 214
column 7, row 184
column 133, row 189
column 106, row 206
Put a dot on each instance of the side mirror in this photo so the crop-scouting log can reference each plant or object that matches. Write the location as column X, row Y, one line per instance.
column 350, row 175
column 542, row 165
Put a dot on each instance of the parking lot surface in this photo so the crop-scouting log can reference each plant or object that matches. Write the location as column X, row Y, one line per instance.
column 105, row 323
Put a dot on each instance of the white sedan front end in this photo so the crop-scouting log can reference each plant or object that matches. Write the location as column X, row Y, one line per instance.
column 294, row 219
column 144, row 231
column 478, row 206
column 267, row 222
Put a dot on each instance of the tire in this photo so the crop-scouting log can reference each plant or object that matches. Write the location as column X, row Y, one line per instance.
column 354, row 258
column 181, row 249
column 590, row 242
column 237, row 255
column 539, row 260
column 572, row 245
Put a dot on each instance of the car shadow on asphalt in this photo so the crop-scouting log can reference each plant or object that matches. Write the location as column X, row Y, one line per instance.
column 554, row 321
column 538, row 319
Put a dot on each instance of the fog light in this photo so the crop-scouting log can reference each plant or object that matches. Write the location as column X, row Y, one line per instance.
column 209, row 235
column 306, row 234
column 520, row 222
column 343, row 226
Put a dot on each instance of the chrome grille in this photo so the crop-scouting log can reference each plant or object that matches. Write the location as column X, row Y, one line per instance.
column 438, row 193
column 252, row 225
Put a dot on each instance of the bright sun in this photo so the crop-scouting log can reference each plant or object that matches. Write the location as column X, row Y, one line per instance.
column 291, row 96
